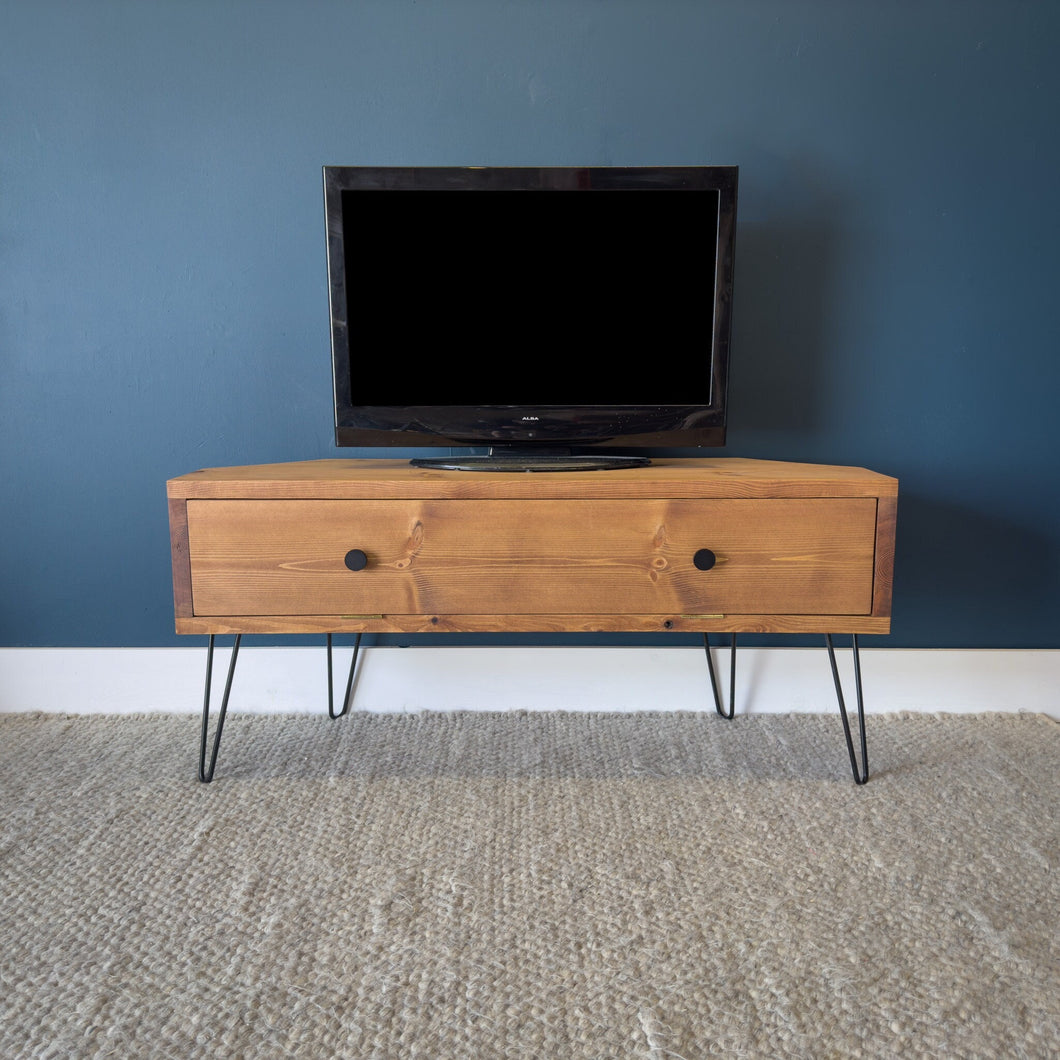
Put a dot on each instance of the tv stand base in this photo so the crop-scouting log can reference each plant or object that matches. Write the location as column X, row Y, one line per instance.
column 504, row 459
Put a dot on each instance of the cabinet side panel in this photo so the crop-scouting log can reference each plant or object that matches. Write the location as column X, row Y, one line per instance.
column 883, row 575
column 178, row 542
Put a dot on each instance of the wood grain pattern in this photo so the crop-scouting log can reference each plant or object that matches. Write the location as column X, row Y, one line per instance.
column 663, row 479
column 630, row 623
column 525, row 557
column 886, row 523
column 178, row 541
column 800, row 548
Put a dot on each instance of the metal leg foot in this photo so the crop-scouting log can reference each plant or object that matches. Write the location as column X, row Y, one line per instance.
column 332, row 713
column 732, row 677
column 206, row 775
column 861, row 772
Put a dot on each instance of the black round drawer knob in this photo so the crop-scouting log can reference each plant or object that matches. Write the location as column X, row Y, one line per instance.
column 356, row 559
column 704, row 559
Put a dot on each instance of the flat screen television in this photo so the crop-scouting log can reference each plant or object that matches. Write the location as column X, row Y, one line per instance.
column 538, row 318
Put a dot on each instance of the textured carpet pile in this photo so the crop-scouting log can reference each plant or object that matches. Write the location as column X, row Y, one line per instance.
column 539, row 885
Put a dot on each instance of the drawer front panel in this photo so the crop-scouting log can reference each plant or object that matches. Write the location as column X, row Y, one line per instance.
column 476, row 557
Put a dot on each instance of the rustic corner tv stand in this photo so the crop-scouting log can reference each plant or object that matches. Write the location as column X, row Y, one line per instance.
column 719, row 545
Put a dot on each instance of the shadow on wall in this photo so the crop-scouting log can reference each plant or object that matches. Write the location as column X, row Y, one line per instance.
column 780, row 309
column 967, row 579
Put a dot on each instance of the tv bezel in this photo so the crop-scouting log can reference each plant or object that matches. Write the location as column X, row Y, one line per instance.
column 530, row 427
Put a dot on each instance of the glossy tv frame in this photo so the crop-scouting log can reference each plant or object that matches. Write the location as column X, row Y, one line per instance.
column 559, row 317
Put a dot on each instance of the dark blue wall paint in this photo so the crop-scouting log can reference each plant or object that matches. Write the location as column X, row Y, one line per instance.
column 162, row 286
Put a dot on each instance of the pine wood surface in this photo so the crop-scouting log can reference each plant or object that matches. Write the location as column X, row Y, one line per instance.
column 800, row 548
column 528, row 556
column 666, row 478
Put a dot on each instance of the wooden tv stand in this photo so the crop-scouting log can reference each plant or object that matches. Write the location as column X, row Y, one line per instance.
column 721, row 545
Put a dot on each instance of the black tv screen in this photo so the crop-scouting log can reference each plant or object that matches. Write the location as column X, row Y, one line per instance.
column 546, row 311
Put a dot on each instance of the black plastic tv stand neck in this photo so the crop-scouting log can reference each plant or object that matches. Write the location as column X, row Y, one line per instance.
column 503, row 458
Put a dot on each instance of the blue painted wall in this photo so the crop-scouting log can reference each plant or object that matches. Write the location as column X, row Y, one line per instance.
column 162, row 285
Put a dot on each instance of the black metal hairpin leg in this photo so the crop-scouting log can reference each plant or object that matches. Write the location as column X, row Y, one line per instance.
column 349, row 681
column 206, row 775
column 732, row 677
column 861, row 773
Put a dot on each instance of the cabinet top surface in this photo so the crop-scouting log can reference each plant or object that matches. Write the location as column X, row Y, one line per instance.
column 664, row 477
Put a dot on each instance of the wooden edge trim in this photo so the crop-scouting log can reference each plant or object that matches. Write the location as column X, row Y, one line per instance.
column 178, row 537
column 296, row 625
column 883, row 571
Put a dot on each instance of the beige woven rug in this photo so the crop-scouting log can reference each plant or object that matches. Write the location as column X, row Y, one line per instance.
column 543, row 885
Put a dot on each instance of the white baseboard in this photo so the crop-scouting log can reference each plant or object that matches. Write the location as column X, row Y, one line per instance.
column 769, row 680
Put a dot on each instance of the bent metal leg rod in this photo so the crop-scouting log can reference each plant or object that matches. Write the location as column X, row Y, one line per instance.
column 732, row 677
column 860, row 770
column 332, row 713
column 206, row 771
column 206, row 775
column 861, row 773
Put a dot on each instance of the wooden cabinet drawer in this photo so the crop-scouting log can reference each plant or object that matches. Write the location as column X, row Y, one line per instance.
column 526, row 556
